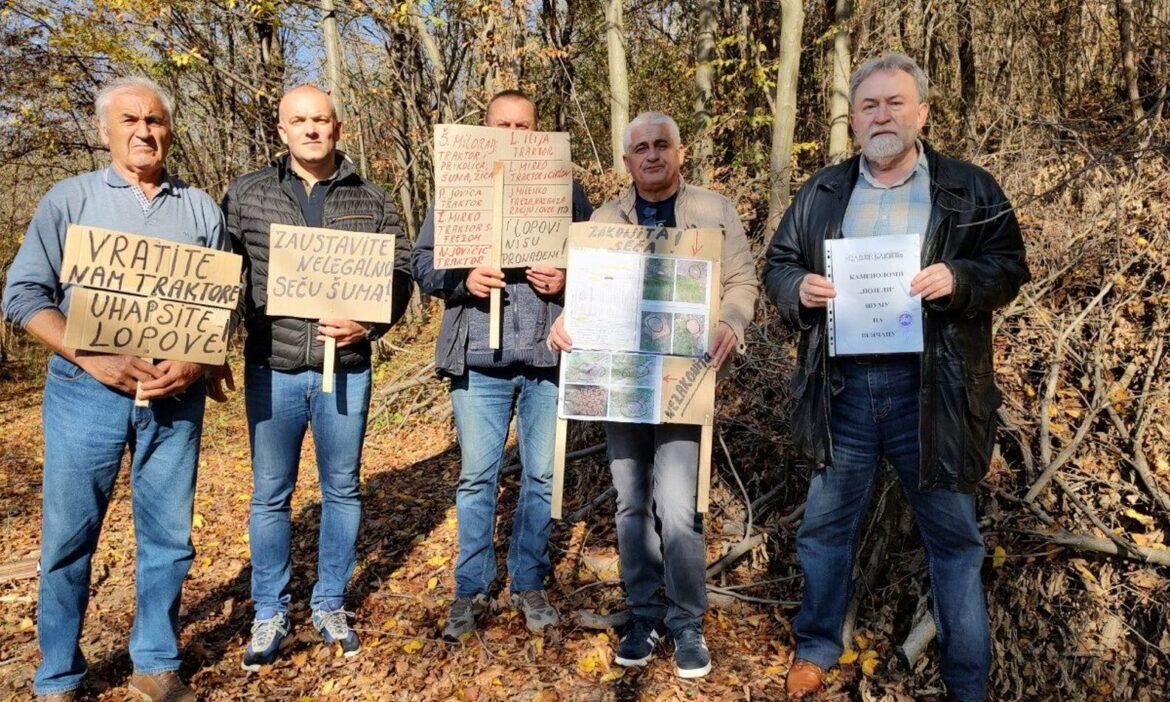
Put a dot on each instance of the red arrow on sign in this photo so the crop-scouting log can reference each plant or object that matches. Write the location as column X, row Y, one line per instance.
column 668, row 378
column 696, row 247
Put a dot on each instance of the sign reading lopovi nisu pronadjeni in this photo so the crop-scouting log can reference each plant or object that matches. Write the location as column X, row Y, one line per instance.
column 142, row 296
column 318, row 273
column 536, row 202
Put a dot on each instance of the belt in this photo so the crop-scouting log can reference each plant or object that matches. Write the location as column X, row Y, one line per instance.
column 874, row 359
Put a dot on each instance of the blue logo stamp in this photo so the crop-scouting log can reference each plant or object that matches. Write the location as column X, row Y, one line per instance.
column 905, row 319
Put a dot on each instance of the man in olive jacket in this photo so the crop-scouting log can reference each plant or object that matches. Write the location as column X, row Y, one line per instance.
column 315, row 186
column 931, row 415
column 655, row 467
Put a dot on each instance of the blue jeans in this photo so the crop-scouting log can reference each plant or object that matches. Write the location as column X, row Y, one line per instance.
column 88, row 427
column 483, row 401
column 281, row 406
column 660, row 535
column 875, row 414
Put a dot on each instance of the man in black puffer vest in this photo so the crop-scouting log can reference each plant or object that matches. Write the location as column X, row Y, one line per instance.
column 315, row 186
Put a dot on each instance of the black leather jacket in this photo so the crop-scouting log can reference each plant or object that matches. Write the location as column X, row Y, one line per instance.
column 974, row 231
column 256, row 200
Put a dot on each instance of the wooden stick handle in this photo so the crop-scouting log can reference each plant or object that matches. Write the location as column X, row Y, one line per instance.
column 495, row 317
column 138, row 401
column 705, row 445
column 330, row 362
column 558, row 487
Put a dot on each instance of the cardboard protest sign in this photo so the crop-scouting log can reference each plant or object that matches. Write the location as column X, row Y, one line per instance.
column 673, row 275
column 644, row 360
column 142, row 296
column 329, row 274
column 537, row 196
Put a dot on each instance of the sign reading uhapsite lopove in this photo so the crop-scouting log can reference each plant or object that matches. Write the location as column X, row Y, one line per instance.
column 148, row 297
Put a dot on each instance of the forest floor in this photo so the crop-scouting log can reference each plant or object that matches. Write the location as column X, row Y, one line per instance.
column 403, row 585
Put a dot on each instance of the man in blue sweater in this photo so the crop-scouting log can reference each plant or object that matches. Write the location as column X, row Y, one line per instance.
column 486, row 385
column 89, row 413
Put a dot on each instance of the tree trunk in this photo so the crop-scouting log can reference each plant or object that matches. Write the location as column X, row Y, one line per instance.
column 784, row 116
column 842, row 62
column 1129, row 70
column 968, row 92
column 619, row 86
column 704, row 72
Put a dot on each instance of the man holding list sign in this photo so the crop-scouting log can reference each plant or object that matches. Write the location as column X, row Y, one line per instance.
column 931, row 414
column 306, row 205
column 90, row 416
column 486, row 385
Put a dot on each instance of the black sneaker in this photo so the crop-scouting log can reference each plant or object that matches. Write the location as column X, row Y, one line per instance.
column 465, row 612
column 691, row 657
column 637, row 646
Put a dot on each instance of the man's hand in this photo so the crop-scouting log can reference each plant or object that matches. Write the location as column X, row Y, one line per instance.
column 346, row 331
column 119, row 372
column 933, row 282
column 546, row 280
column 816, row 291
column 558, row 339
column 176, row 377
column 722, row 345
column 481, row 281
column 217, row 377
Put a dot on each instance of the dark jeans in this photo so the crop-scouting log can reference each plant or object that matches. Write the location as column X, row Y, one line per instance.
column 876, row 415
column 660, row 535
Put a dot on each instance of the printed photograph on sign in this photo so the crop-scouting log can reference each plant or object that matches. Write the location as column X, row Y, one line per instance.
column 586, row 366
column 658, row 279
column 633, row 405
column 690, row 335
column 656, row 332
column 692, row 279
column 619, row 387
column 633, row 369
column 585, row 401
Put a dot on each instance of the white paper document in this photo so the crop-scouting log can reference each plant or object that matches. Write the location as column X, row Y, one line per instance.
column 630, row 302
column 874, row 312
column 612, row 387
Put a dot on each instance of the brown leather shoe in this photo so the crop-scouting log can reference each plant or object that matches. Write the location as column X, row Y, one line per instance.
column 161, row 687
column 67, row 696
column 804, row 677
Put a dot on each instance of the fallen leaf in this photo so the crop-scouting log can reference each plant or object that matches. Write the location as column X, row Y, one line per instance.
column 848, row 657
column 999, row 558
column 869, row 662
column 412, row 646
column 26, row 624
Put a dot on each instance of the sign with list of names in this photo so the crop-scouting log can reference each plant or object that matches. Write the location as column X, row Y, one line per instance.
column 874, row 312
column 537, row 197
column 148, row 297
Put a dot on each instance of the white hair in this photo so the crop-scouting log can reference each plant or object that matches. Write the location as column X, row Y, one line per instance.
column 101, row 103
column 647, row 119
column 892, row 62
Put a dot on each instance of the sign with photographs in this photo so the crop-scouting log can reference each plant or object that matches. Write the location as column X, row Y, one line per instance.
column 643, row 362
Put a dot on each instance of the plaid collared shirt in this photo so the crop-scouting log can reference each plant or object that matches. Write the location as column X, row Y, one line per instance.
column 879, row 210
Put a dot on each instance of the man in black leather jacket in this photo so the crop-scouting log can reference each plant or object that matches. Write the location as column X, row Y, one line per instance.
column 931, row 415
column 315, row 186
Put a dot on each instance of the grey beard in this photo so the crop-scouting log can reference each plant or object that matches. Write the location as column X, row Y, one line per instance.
column 883, row 146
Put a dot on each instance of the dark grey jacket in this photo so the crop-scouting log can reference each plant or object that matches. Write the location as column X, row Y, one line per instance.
column 255, row 201
column 973, row 230
column 450, row 287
